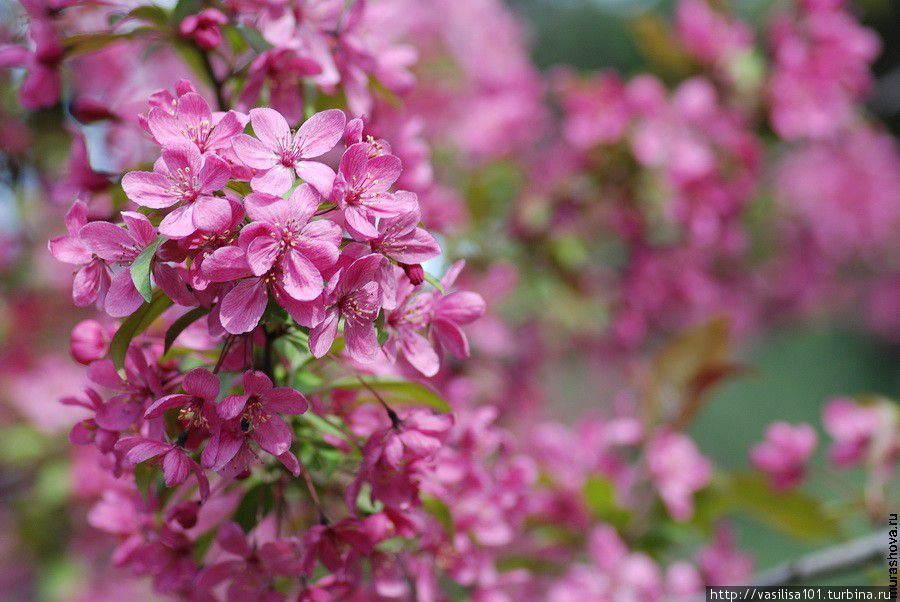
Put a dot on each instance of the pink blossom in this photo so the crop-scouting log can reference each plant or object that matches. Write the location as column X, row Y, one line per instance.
column 89, row 341
column 784, row 455
column 250, row 568
column 284, row 70
column 197, row 403
column 721, row 564
column 678, row 471
column 401, row 239
column 452, row 310
column 255, row 415
column 361, row 189
column 110, row 418
column 280, row 250
column 116, row 245
column 203, row 27
column 405, row 325
column 353, row 294
column 176, row 464
column 394, row 457
column 277, row 155
column 337, row 546
column 42, row 85
column 92, row 278
column 283, row 237
column 821, row 68
column 710, row 35
column 185, row 178
column 194, row 123
column 853, row 427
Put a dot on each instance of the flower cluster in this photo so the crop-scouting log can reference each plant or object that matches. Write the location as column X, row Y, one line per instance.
column 227, row 235
column 279, row 402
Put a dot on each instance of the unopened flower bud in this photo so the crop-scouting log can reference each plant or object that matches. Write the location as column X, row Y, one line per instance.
column 414, row 272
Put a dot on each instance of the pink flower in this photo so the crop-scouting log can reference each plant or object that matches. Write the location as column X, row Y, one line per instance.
column 354, row 294
column 361, row 189
column 204, row 28
column 452, row 310
column 337, row 546
column 92, row 278
column 281, row 249
column 116, row 245
column 405, row 325
column 711, row 35
column 109, row 420
column 401, row 239
column 186, row 178
column 89, row 341
column 678, row 470
column 43, row 83
column 784, row 454
column 821, row 69
column 176, row 464
column 721, row 564
column 255, row 415
column 282, row 237
column 250, row 568
column 284, row 70
column 197, row 403
column 277, row 155
column 394, row 457
column 193, row 123
column 853, row 427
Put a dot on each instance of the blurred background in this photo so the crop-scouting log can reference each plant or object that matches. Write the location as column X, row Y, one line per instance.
column 794, row 368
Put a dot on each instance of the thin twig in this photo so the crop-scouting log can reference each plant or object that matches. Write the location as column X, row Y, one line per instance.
column 395, row 419
column 314, row 495
column 217, row 84
column 225, row 349
column 836, row 559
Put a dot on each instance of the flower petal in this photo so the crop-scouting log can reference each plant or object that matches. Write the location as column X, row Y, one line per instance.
column 253, row 153
column 276, row 180
column 270, row 127
column 202, row 383
column 323, row 334
column 148, row 189
column 244, row 305
column 320, row 133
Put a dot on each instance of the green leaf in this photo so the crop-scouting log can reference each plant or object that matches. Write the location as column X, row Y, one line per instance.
column 144, row 473
column 255, row 504
column 792, row 512
column 194, row 59
column 441, row 512
column 323, row 425
column 394, row 390
column 140, row 269
column 254, row 39
column 135, row 324
column 85, row 43
column 533, row 564
column 181, row 323
column 433, row 281
column 184, row 8
column 202, row 544
column 150, row 13
column 600, row 498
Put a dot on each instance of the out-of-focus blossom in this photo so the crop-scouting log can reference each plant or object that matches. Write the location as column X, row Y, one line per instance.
column 784, row 454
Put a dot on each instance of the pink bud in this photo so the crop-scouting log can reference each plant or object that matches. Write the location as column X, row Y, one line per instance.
column 415, row 273
column 185, row 514
column 90, row 342
column 89, row 110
